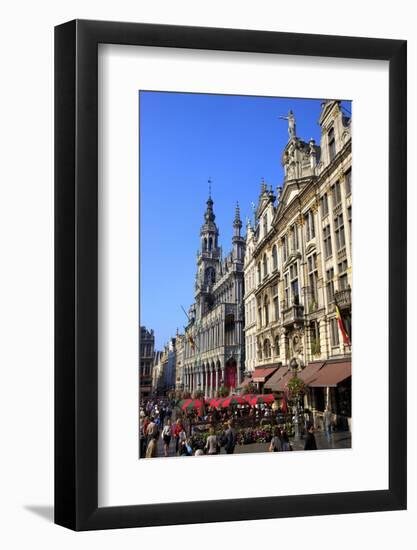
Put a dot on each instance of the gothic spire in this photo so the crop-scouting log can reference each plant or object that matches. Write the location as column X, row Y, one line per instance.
column 237, row 223
column 209, row 215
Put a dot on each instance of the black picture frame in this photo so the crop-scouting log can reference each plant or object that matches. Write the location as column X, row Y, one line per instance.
column 76, row 272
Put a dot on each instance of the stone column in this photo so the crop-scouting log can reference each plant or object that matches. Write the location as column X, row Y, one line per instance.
column 217, row 378
column 203, row 385
column 238, row 375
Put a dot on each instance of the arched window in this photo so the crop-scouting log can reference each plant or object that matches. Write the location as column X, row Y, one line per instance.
column 259, row 272
column 265, row 262
column 267, row 349
column 266, row 310
column 210, row 243
column 277, row 350
column 274, row 257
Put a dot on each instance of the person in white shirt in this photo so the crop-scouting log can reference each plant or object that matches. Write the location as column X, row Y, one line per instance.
column 211, row 445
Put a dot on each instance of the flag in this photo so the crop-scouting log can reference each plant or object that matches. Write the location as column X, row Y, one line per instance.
column 345, row 336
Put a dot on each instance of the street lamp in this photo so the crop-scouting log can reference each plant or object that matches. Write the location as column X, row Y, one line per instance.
column 294, row 368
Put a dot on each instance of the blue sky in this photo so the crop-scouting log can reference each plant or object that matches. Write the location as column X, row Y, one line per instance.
column 184, row 140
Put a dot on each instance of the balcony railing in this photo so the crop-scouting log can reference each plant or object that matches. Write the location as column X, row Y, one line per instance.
column 343, row 298
column 293, row 314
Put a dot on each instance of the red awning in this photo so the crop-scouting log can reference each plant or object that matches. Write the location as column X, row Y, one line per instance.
column 331, row 374
column 261, row 374
column 310, row 371
column 279, row 379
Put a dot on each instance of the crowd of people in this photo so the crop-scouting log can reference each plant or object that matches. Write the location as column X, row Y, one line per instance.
column 161, row 420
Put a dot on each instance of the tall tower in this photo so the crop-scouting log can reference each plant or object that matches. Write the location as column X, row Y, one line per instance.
column 208, row 260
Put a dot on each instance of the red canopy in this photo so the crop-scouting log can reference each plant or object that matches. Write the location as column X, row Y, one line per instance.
column 267, row 398
column 192, row 404
column 233, row 400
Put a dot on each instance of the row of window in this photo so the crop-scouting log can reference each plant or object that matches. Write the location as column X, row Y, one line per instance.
column 146, row 350
column 291, row 239
column 266, row 351
column 292, row 289
column 336, row 194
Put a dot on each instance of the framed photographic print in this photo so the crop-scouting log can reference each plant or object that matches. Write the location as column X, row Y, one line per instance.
column 222, row 309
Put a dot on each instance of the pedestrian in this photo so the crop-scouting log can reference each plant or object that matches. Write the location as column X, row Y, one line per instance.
column 182, row 437
column 211, row 445
column 276, row 444
column 166, row 436
column 327, row 421
column 185, row 448
column 285, row 441
column 310, row 441
column 230, row 438
column 177, row 429
column 151, row 431
column 151, row 448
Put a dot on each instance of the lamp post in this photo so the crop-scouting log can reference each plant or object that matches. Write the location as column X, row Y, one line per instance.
column 294, row 368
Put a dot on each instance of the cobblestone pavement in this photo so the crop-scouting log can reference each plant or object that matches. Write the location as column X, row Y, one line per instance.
column 338, row 440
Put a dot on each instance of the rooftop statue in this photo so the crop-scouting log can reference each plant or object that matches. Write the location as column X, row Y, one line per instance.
column 291, row 123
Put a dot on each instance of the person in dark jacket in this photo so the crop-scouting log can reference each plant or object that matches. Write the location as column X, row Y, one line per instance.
column 230, row 438
column 310, row 441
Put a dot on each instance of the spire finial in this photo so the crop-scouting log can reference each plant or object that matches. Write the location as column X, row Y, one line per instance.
column 263, row 185
column 209, row 186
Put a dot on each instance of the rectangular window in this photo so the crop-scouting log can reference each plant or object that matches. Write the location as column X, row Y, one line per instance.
column 343, row 278
column 339, row 231
column 294, row 284
column 312, row 279
column 276, row 308
column 337, row 197
column 330, row 285
column 285, row 247
column 334, row 332
column 349, row 212
column 310, row 230
column 294, row 238
column 327, row 241
column 315, row 338
column 324, row 205
column 332, row 144
column 348, row 182
column 286, row 290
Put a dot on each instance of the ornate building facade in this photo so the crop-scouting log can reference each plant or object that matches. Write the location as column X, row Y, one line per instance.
column 302, row 257
column 146, row 360
column 214, row 340
column 250, row 302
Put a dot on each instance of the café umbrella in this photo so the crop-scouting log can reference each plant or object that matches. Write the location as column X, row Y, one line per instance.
column 192, row 404
column 257, row 399
column 233, row 400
